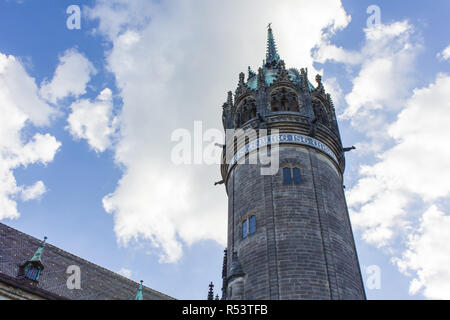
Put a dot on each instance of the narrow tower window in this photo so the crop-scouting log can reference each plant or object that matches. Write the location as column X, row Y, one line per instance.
column 287, row 178
column 291, row 175
column 244, row 228
column 248, row 226
column 252, row 228
column 296, row 175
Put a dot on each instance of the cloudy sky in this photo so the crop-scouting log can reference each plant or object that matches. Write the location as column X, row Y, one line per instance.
column 87, row 117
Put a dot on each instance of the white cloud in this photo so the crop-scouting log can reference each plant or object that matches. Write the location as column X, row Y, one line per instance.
column 411, row 167
column 383, row 83
column 33, row 192
column 20, row 91
column 428, row 256
column 125, row 272
column 417, row 165
column 21, row 107
column 70, row 79
column 93, row 120
column 334, row 89
column 174, row 62
column 445, row 54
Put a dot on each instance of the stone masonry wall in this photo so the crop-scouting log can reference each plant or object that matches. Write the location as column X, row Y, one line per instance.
column 303, row 246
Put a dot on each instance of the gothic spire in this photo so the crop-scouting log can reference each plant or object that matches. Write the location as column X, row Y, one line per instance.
column 32, row 268
column 224, row 274
column 272, row 56
column 139, row 293
column 211, row 291
column 38, row 254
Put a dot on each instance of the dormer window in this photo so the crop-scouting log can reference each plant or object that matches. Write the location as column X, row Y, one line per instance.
column 32, row 272
column 32, row 268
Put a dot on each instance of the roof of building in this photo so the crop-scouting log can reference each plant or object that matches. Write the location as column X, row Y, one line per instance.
column 97, row 283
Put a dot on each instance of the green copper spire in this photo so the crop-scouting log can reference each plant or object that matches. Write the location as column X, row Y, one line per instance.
column 272, row 56
column 139, row 293
column 32, row 268
column 38, row 254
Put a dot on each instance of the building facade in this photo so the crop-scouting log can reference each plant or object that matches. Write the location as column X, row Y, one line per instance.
column 289, row 233
column 31, row 269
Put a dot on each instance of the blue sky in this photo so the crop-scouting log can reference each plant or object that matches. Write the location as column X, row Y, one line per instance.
column 146, row 69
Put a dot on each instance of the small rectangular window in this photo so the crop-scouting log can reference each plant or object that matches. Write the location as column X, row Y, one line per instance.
column 244, row 228
column 287, row 178
column 252, row 224
column 296, row 175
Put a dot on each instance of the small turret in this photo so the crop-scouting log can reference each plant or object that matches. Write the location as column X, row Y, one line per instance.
column 32, row 269
column 236, row 280
column 224, row 275
column 139, row 295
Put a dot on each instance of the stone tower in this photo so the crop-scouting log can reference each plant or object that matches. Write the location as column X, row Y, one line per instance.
column 289, row 234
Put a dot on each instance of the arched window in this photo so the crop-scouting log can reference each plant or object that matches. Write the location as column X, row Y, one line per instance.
column 320, row 113
column 237, row 120
column 275, row 105
column 248, row 226
column 293, row 103
column 245, row 111
column 252, row 225
column 284, row 99
column 296, row 175
column 253, row 110
column 291, row 175
column 244, row 115
column 287, row 177
column 245, row 228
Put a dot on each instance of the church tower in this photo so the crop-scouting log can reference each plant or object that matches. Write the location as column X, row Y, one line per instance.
column 289, row 234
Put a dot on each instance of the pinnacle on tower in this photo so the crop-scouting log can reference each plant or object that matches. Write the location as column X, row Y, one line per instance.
column 211, row 291
column 32, row 268
column 272, row 56
column 38, row 254
column 139, row 293
column 224, row 274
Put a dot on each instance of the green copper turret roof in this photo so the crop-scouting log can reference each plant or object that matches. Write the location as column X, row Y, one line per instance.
column 38, row 254
column 139, row 293
column 272, row 54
